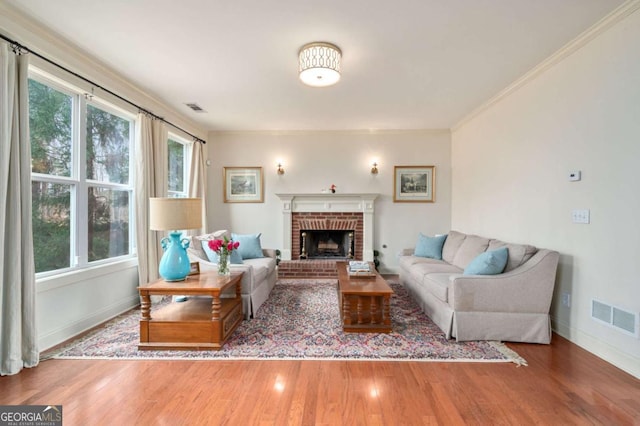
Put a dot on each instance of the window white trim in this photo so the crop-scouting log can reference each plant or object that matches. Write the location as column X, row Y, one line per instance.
column 77, row 181
column 186, row 159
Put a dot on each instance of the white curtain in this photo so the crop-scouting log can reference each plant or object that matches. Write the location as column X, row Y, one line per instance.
column 151, row 181
column 197, row 183
column 18, row 338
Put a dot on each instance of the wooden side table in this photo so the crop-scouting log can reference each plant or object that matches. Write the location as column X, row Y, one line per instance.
column 199, row 323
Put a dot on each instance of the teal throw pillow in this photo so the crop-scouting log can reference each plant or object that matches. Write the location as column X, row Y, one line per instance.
column 430, row 246
column 234, row 259
column 488, row 263
column 250, row 247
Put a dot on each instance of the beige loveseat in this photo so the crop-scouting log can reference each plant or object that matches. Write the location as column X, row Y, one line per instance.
column 510, row 306
column 260, row 274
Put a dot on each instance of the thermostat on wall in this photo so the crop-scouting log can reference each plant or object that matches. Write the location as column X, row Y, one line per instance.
column 575, row 176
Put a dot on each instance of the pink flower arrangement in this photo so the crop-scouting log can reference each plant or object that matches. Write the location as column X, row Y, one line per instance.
column 333, row 188
column 224, row 246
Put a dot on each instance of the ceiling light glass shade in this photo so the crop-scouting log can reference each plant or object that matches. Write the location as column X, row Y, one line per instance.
column 319, row 64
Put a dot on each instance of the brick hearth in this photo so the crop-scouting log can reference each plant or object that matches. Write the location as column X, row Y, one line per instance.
column 307, row 269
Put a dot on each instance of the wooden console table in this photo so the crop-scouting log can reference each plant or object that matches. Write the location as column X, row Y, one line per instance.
column 199, row 323
column 365, row 302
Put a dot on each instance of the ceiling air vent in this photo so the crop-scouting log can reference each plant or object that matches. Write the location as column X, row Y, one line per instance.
column 195, row 107
column 624, row 321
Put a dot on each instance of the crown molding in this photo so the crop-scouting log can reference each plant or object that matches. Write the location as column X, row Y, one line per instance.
column 26, row 31
column 329, row 132
column 617, row 15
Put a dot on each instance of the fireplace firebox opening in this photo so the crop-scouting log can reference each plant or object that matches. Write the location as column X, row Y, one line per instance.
column 327, row 244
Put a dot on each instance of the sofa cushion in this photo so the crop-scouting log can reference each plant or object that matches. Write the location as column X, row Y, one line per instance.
column 268, row 263
column 470, row 248
column 418, row 271
column 234, row 257
column 438, row 285
column 451, row 245
column 518, row 253
column 429, row 246
column 406, row 262
column 250, row 247
column 488, row 263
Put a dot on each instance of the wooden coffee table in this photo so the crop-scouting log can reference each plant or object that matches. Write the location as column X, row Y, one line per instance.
column 365, row 302
column 199, row 323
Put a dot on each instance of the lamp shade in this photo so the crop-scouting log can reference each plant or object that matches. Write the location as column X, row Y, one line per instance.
column 319, row 64
column 168, row 214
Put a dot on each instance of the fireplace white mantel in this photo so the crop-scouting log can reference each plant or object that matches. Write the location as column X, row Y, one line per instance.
column 328, row 203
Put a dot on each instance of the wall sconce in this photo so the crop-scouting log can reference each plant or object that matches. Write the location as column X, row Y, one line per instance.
column 374, row 168
column 280, row 170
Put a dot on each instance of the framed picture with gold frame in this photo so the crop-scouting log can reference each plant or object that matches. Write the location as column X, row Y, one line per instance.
column 414, row 184
column 194, row 268
column 243, row 185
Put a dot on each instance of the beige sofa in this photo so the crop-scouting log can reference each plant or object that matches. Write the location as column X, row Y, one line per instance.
column 259, row 277
column 510, row 306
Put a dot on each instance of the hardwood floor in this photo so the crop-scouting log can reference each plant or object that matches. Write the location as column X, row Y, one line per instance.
column 562, row 385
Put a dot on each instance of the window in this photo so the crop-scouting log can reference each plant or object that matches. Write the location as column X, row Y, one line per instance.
column 177, row 167
column 82, row 189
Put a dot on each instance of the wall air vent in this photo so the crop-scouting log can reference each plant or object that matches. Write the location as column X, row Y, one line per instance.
column 195, row 107
column 624, row 321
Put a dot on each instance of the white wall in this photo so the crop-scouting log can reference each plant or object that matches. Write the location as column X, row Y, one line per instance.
column 315, row 160
column 72, row 303
column 510, row 180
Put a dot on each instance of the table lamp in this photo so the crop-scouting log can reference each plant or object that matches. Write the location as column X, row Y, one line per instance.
column 175, row 215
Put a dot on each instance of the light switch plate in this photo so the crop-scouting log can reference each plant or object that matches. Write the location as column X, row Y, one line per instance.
column 581, row 216
column 575, row 176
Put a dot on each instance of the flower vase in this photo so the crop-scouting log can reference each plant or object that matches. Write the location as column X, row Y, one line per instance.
column 223, row 264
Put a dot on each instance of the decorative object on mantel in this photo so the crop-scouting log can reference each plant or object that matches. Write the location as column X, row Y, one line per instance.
column 243, row 185
column 333, row 189
column 319, row 64
column 414, row 184
column 223, row 248
column 174, row 215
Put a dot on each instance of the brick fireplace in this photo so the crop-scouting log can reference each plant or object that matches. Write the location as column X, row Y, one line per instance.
column 322, row 221
column 348, row 212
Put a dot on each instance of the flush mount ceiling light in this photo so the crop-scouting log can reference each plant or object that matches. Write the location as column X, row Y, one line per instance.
column 319, row 64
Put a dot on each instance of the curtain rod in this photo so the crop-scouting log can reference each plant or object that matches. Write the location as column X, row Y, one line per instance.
column 144, row 110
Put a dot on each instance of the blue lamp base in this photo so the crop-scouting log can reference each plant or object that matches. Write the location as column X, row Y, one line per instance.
column 174, row 265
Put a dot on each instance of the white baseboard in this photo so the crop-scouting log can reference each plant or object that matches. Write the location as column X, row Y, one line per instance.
column 67, row 332
column 611, row 354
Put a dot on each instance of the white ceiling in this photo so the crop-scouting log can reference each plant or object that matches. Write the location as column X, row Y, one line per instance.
column 407, row 64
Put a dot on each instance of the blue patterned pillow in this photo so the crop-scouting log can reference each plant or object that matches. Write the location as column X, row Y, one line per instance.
column 250, row 247
column 488, row 263
column 430, row 246
column 234, row 259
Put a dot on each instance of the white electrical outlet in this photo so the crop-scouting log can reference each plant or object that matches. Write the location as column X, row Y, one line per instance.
column 581, row 216
column 566, row 300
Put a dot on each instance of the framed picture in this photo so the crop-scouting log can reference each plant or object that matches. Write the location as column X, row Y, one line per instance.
column 243, row 185
column 414, row 184
column 194, row 268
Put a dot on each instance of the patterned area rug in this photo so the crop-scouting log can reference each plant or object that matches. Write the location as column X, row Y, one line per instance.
column 301, row 320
